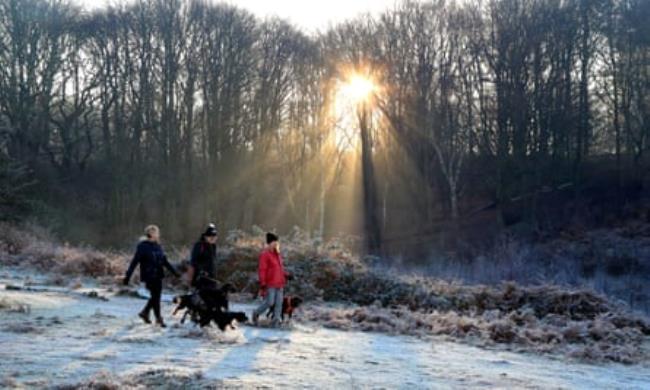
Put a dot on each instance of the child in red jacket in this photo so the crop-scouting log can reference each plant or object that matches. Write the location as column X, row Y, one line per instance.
column 272, row 279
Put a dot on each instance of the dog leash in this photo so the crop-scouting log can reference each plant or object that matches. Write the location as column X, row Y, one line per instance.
column 208, row 279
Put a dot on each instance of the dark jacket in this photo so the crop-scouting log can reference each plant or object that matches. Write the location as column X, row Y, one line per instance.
column 204, row 261
column 151, row 258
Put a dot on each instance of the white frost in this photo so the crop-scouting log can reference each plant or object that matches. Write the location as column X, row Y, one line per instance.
column 68, row 338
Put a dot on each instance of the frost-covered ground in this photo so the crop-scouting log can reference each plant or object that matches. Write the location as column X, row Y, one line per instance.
column 68, row 338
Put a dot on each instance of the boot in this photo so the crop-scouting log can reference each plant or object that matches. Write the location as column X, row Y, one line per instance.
column 145, row 316
column 255, row 318
column 161, row 323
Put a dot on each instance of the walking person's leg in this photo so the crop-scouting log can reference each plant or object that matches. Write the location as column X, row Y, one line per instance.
column 144, row 314
column 277, row 311
column 268, row 302
column 155, row 289
column 155, row 292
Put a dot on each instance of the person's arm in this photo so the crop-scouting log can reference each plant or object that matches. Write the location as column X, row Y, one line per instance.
column 263, row 267
column 190, row 274
column 287, row 275
column 193, row 261
column 134, row 263
column 170, row 267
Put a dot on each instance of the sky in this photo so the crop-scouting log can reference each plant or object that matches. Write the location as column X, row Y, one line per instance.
column 310, row 15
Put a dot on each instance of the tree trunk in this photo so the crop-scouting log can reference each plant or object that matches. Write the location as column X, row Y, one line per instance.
column 371, row 223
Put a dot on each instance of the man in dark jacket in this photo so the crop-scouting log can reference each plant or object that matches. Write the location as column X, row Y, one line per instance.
column 151, row 258
column 203, row 263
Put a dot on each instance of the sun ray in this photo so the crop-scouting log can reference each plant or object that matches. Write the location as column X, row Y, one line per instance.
column 354, row 89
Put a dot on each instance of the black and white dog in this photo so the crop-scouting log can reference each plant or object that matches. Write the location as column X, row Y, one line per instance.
column 209, row 305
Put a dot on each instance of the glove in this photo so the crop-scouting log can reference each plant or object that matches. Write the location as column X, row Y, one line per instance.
column 125, row 282
column 262, row 292
column 289, row 276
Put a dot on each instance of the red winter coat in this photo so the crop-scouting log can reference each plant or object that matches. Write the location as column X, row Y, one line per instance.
column 271, row 271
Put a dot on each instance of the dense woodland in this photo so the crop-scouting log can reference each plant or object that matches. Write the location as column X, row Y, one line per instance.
column 487, row 115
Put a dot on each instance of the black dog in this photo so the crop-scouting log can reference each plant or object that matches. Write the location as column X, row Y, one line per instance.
column 208, row 305
column 224, row 319
column 217, row 297
column 184, row 302
column 289, row 304
column 212, row 297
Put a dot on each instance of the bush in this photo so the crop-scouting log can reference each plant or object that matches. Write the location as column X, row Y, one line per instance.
column 32, row 247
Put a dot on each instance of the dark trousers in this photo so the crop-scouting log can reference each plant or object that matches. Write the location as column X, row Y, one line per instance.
column 155, row 291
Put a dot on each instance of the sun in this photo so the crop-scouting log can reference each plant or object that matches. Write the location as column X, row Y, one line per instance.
column 351, row 92
column 358, row 88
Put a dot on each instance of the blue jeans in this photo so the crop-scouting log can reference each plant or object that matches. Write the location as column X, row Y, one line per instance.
column 274, row 296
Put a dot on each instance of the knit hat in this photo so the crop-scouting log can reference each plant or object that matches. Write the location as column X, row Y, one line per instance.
column 210, row 231
column 270, row 237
